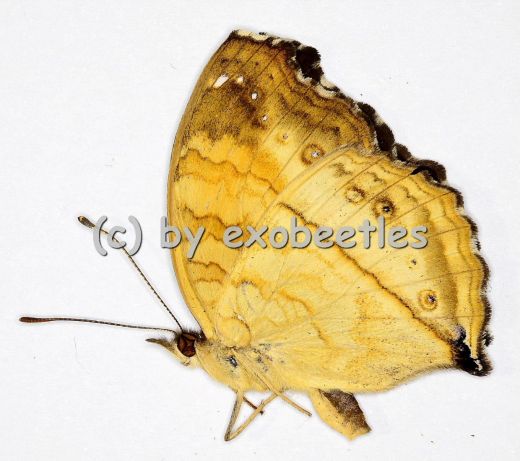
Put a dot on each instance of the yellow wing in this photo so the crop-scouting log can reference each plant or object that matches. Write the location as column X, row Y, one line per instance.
column 261, row 113
column 265, row 138
column 341, row 411
column 359, row 319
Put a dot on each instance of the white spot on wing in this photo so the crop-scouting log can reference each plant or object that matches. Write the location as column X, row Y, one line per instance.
column 253, row 35
column 220, row 81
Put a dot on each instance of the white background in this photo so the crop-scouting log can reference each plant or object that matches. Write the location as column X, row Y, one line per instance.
column 90, row 97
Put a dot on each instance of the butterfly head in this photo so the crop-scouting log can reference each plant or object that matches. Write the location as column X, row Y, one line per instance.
column 183, row 346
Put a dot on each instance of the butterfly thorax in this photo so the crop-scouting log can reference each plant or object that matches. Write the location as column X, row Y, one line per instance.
column 225, row 364
column 220, row 361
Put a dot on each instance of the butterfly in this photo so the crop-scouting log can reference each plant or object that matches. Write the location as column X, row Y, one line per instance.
column 266, row 138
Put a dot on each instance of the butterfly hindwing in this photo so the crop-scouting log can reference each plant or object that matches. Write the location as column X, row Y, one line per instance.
column 341, row 411
column 359, row 319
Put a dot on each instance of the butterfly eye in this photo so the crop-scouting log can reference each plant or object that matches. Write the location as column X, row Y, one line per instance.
column 186, row 344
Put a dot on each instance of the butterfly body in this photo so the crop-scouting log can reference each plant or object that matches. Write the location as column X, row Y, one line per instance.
column 217, row 359
column 221, row 363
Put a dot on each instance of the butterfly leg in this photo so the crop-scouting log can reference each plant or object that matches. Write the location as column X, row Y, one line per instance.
column 230, row 433
column 259, row 377
column 295, row 405
column 234, row 414
column 251, row 404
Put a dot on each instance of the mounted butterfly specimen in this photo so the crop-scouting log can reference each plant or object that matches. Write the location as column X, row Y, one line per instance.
column 264, row 138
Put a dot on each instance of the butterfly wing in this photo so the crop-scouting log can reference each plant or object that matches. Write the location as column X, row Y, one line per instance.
column 360, row 319
column 341, row 411
column 260, row 114
column 258, row 144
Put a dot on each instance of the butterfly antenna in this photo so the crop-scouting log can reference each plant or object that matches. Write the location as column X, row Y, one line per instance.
column 99, row 322
column 87, row 223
